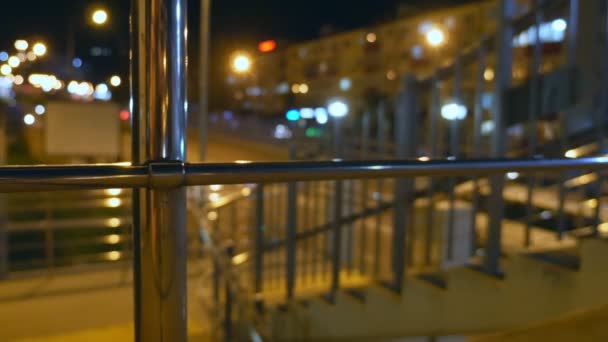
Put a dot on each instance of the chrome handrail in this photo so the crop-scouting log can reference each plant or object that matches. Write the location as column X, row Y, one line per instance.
column 167, row 175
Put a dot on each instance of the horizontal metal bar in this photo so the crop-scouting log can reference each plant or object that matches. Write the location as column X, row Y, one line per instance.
column 203, row 174
column 278, row 243
column 67, row 177
column 163, row 175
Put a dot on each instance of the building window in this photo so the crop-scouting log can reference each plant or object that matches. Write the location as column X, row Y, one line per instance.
column 417, row 52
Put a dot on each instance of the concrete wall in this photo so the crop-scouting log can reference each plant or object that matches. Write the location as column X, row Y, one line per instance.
column 473, row 303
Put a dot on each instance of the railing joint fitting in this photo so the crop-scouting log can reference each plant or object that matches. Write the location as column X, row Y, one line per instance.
column 166, row 174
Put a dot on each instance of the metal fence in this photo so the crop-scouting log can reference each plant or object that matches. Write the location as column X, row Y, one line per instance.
column 324, row 236
column 327, row 223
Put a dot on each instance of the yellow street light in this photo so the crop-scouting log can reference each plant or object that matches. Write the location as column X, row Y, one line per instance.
column 6, row 69
column 39, row 49
column 21, row 45
column 14, row 61
column 241, row 63
column 115, row 81
column 435, row 37
column 488, row 74
column 100, row 17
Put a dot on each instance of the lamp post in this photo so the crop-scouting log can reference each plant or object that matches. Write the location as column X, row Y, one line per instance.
column 204, row 42
column 337, row 109
column 454, row 112
column 435, row 38
column 99, row 17
column 241, row 63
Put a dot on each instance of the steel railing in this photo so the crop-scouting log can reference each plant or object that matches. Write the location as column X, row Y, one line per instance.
column 419, row 105
column 158, row 176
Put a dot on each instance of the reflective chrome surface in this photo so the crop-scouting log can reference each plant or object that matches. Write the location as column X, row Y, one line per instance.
column 163, row 175
column 161, row 287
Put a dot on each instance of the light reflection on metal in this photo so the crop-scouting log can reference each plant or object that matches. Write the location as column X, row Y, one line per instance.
column 240, row 258
column 161, row 175
column 112, row 239
column 113, row 222
column 215, row 187
column 212, row 215
column 113, row 202
column 113, row 255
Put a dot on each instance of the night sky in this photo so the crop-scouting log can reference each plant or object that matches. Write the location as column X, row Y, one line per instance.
column 294, row 20
column 235, row 23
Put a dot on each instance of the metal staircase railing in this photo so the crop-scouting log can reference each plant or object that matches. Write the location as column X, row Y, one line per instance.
column 301, row 251
column 340, row 215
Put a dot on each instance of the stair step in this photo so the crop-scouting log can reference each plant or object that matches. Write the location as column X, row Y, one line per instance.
column 479, row 269
column 328, row 298
column 563, row 259
column 389, row 285
column 436, row 279
column 357, row 294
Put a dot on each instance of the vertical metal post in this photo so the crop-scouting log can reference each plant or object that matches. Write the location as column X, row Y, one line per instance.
column 405, row 136
column 599, row 115
column 349, row 202
column 138, row 95
column 455, row 137
column 337, row 240
column 305, row 226
column 316, row 213
column 258, row 263
column 477, row 120
column 337, row 216
column 455, row 124
column 571, row 60
column 503, row 82
column 434, row 128
column 292, row 222
column 573, row 21
column 229, row 301
column 533, row 111
column 3, row 219
column 203, row 78
column 381, row 136
column 290, row 246
column 365, row 133
column 161, row 287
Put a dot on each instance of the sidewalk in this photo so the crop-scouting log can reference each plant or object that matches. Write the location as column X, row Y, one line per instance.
column 87, row 306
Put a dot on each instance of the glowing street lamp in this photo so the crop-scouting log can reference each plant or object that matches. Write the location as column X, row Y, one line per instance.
column 14, row 61
column 6, row 70
column 39, row 49
column 454, row 111
column 99, row 17
column 293, row 115
column 337, row 109
column 321, row 116
column 21, row 45
column 115, row 81
column 435, row 37
column 39, row 109
column 241, row 63
column 29, row 119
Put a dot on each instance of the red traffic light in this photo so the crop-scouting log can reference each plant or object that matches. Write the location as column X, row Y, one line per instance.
column 124, row 115
column 267, row 46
